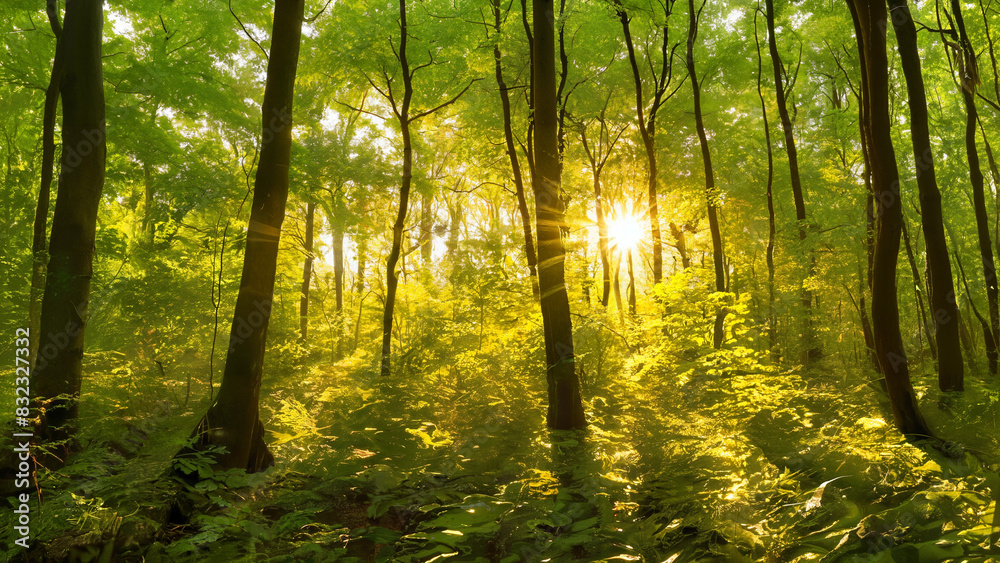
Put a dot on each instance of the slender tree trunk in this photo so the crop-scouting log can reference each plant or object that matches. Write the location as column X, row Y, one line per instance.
column 968, row 81
column 58, row 368
column 616, row 285
column 361, row 244
column 648, row 142
column 403, row 116
column 338, row 283
column 811, row 347
column 772, row 329
column 40, row 230
column 711, row 193
column 918, row 291
column 426, row 222
column 631, row 285
column 942, row 292
column 598, row 157
column 602, row 240
column 148, row 229
column 306, row 272
column 528, row 147
column 401, row 108
column 233, row 421
column 522, row 201
column 565, row 404
column 885, row 181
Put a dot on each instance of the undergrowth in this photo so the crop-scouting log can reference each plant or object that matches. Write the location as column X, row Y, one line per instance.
column 692, row 454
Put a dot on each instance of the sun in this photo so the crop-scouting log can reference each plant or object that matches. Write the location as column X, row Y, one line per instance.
column 625, row 229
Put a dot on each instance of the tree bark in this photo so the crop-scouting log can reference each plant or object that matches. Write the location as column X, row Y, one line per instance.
column 811, row 348
column 942, row 292
column 631, row 285
column 772, row 328
column 403, row 116
column 40, row 228
column 565, row 409
column 426, row 220
column 918, row 292
column 968, row 80
column 598, row 157
column 401, row 109
column 338, row 283
column 711, row 193
column 885, row 183
column 233, row 421
column 58, row 373
column 306, row 272
column 648, row 130
column 515, row 165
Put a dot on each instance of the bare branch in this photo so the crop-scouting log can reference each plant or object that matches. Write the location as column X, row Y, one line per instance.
column 445, row 104
column 246, row 31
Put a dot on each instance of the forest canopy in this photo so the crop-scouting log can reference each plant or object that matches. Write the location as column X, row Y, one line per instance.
column 587, row 280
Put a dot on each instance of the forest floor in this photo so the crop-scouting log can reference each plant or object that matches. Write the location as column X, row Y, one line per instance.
column 713, row 464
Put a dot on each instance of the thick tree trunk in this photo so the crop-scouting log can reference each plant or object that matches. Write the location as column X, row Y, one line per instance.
column 59, row 364
column 942, row 292
column 711, row 193
column 40, row 229
column 811, row 348
column 565, row 408
column 515, row 165
column 885, row 181
column 233, row 421
column 306, row 272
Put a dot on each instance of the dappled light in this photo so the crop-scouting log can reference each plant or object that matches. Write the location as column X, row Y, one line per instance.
column 441, row 281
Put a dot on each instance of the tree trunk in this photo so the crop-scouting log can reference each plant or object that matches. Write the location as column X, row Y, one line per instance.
column 968, row 82
column 233, row 421
column 648, row 134
column 528, row 146
column 616, row 285
column 565, row 408
column 631, row 285
column 306, row 272
column 40, row 229
column 710, row 191
column 338, row 283
column 885, row 182
column 522, row 201
column 59, row 364
column 772, row 332
column 918, row 292
column 598, row 157
column 811, row 348
column 426, row 223
column 403, row 116
column 941, row 290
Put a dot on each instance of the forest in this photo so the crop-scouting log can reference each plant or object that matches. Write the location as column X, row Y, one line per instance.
column 500, row 281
